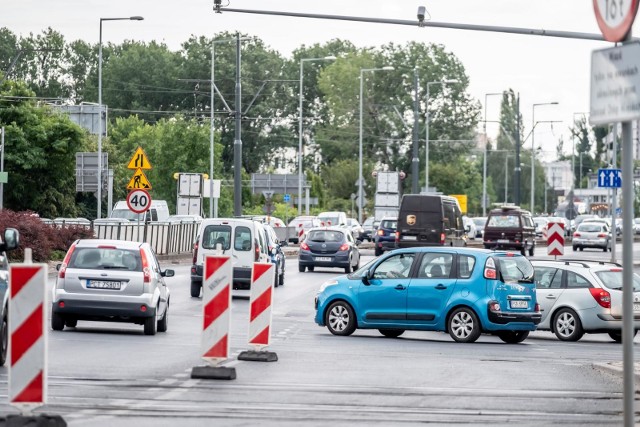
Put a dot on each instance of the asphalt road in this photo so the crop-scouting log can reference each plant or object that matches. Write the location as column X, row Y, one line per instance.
column 106, row 374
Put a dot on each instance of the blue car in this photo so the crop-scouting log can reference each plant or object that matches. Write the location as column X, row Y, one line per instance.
column 462, row 291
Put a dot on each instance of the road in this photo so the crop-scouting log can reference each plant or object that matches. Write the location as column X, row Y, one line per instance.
column 105, row 374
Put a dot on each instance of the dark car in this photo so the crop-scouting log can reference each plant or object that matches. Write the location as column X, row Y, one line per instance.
column 510, row 227
column 11, row 241
column 329, row 247
column 369, row 227
column 276, row 254
column 430, row 220
column 385, row 237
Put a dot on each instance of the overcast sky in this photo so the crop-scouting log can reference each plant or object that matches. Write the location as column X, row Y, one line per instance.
column 541, row 69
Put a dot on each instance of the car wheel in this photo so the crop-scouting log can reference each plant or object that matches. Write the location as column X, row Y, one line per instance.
column 311, row 268
column 71, row 323
column 391, row 333
column 301, row 268
column 574, row 248
column 464, row 325
column 523, row 251
column 581, row 249
column 281, row 279
column 617, row 335
column 378, row 251
column 340, row 319
column 57, row 322
column 151, row 325
column 605, row 248
column 513, row 337
column 532, row 249
column 164, row 322
column 567, row 325
column 195, row 288
column 4, row 339
column 347, row 269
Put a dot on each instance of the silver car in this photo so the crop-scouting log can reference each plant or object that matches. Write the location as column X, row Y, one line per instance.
column 113, row 281
column 592, row 235
column 578, row 297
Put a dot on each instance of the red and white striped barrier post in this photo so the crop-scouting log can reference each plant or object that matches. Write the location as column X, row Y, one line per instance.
column 262, row 276
column 27, row 335
column 216, row 310
column 555, row 238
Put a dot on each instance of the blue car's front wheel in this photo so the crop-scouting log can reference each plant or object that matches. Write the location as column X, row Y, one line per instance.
column 340, row 319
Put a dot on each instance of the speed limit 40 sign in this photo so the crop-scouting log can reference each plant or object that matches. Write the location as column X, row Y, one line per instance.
column 139, row 201
column 615, row 17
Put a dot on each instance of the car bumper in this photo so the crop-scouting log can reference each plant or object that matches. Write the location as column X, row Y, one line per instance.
column 514, row 320
column 241, row 276
column 386, row 245
column 336, row 260
column 501, row 245
column 122, row 308
column 595, row 243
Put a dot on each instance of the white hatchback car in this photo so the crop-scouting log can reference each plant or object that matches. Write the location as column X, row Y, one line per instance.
column 578, row 297
column 111, row 281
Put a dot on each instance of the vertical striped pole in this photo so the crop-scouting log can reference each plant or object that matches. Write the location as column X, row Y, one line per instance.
column 216, row 303
column 27, row 335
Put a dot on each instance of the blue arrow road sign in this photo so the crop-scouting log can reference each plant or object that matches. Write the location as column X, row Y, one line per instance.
column 610, row 178
column 286, row 197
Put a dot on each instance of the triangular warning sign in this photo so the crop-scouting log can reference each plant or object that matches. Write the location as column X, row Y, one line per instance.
column 139, row 160
column 139, row 180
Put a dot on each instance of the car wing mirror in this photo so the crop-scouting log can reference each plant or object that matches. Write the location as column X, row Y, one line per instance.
column 167, row 273
column 11, row 239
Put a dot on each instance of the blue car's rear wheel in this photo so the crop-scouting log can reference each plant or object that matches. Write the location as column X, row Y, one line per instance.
column 464, row 325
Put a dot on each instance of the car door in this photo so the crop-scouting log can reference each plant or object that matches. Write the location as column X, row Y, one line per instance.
column 549, row 289
column 383, row 298
column 158, row 280
column 430, row 290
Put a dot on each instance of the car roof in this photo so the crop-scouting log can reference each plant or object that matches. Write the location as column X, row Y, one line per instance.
column 459, row 250
column 330, row 227
column 577, row 263
column 120, row 244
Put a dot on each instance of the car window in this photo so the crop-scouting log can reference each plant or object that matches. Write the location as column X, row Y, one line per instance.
column 388, row 223
column 214, row 234
column 589, row 227
column 574, row 280
column 465, row 266
column 394, row 267
column 106, row 258
column 505, row 221
column 546, row 276
column 435, row 266
column 242, row 239
column 326, row 236
column 612, row 279
column 516, row 268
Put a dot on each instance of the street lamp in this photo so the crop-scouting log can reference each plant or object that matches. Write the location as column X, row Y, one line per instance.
column 360, row 177
column 131, row 18
column 326, row 58
column 426, row 167
column 484, row 166
column 533, row 125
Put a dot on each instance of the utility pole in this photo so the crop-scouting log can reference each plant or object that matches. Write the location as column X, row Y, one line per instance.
column 516, row 178
column 237, row 143
column 415, row 162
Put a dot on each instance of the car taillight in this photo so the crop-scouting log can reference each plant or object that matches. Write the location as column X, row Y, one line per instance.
column 397, row 236
column 442, row 238
column 490, row 271
column 257, row 251
column 344, row 247
column 65, row 262
column 195, row 252
column 494, row 306
column 146, row 270
column 304, row 246
column 601, row 296
column 380, row 232
column 602, row 235
column 536, row 308
column 576, row 234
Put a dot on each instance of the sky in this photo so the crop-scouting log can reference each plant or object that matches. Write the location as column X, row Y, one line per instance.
column 540, row 69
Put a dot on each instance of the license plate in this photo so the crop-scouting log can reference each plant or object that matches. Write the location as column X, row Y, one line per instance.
column 503, row 241
column 636, row 306
column 519, row 304
column 323, row 258
column 409, row 238
column 102, row 284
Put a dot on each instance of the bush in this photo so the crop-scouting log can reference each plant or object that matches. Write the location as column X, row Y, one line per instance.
column 40, row 237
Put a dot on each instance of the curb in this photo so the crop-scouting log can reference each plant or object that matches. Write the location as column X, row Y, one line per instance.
column 615, row 368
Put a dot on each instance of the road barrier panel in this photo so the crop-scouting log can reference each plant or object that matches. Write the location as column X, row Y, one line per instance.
column 216, row 310
column 260, row 314
column 555, row 238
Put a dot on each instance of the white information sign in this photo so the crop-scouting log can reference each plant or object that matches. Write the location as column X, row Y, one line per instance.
column 615, row 84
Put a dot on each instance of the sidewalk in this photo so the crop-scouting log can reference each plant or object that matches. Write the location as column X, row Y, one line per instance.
column 616, row 368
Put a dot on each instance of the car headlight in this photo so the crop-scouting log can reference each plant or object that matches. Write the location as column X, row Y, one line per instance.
column 326, row 284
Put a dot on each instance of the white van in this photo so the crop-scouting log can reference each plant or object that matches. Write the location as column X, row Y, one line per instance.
column 159, row 211
column 331, row 219
column 244, row 239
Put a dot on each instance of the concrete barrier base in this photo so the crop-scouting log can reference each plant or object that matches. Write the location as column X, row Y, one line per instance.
column 213, row 373
column 42, row 420
column 258, row 356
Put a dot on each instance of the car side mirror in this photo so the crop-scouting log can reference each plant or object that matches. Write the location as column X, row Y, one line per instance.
column 58, row 267
column 368, row 275
column 468, row 228
column 284, row 243
column 11, row 239
column 274, row 251
column 167, row 273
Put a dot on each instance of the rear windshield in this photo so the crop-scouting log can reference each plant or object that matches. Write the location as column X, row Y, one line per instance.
column 242, row 239
column 326, row 236
column 589, row 228
column 612, row 279
column 516, row 269
column 329, row 220
column 504, row 221
column 106, row 259
column 388, row 223
column 214, row 234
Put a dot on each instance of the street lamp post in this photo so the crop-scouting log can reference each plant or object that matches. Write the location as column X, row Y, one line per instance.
column 533, row 125
column 484, row 166
column 326, row 58
column 426, row 107
column 360, row 177
column 131, row 18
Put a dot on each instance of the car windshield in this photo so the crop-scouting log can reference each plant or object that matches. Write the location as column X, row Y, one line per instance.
column 516, row 269
column 479, row 221
column 590, row 227
column 126, row 214
column 361, row 272
column 326, row 236
column 504, row 221
column 105, row 258
column 612, row 279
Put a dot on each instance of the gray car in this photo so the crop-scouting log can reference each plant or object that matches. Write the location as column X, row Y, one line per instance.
column 592, row 235
column 578, row 297
column 113, row 281
column 10, row 242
